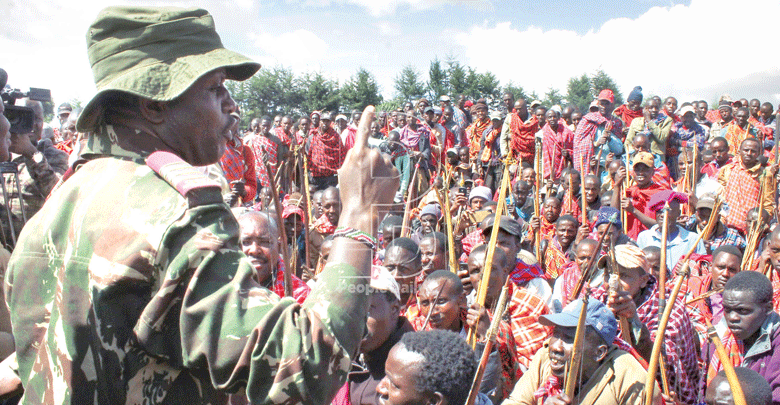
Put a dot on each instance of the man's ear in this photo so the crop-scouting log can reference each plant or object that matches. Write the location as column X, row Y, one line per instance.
column 152, row 111
column 601, row 352
column 436, row 398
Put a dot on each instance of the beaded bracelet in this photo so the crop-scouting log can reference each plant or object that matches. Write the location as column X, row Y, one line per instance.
column 356, row 235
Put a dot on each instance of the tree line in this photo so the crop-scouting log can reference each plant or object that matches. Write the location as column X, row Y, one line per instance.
column 280, row 91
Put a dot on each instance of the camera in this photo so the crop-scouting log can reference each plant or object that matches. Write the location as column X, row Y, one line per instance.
column 22, row 119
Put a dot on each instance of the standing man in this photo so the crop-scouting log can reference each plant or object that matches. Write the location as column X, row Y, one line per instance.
column 326, row 154
column 594, row 131
column 557, row 141
column 741, row 181
column 739, row 129
column 173, row 311
column 518, row 133
column 655, row 125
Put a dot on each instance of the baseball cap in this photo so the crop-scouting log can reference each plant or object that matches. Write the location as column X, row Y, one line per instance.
column 607, row 94
column 685, row 110
column 598, row 316
column 383, row 280
column 326, row 116
column 444, row 98
column 495, row 115
column 706, row 201
column 341, row 117
column 659, row 199
column 645, row 158
column 507, row 224
column 425, row 111
column 156, row 53
column 594, row 106
column 535, row 103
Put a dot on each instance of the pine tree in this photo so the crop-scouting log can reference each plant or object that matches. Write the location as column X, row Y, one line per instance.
column 600, row 81
column 437, row 81
column 578, row 92
column 360, row 91
column 408, row 85
column 552, row 97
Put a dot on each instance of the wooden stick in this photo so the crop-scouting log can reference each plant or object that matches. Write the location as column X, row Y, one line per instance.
column 490, row 340
column 586, row 273
column 614, row 286
column 307, row 193
column 656, row 352
column 576, row 351
column 583, row 200
column 453, row 261
column 405, row 228
column 483, row 284
column 288, row 292
column 537, row 213
column 704, row 296
column 662, row 273
column 728, row 368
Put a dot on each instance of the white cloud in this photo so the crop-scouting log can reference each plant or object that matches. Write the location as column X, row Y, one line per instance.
column 681, row 50
column 299, row 49
column 386, row 7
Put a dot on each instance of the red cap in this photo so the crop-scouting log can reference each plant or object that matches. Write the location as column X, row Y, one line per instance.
column 468, row 103
column 607, row 94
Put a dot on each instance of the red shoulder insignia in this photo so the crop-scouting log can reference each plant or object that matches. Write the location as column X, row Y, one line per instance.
column 187, row 180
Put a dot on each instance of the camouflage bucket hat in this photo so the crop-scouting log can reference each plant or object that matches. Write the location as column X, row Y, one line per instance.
column 156, row 53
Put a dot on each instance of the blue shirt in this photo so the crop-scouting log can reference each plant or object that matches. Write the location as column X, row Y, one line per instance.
column 677, row 246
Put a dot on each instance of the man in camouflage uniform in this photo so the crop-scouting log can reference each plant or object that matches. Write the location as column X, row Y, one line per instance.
column 129, row 286
column 40, row 166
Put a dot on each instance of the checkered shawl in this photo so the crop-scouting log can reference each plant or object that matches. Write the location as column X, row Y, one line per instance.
column 474, row 136
column 682, row 362
column 584, row 137
column 232, row 161
column 326, row 154
column 283, row 136
column 553, row 145
column 523, row 313
column 742, row 189
column 547, row 229
column 299, row 287
column 523, row 137
column 264, row 150
column 554, row 259
column 524, row 273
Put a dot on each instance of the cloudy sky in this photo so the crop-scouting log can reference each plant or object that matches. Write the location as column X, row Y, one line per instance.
column 691, row 49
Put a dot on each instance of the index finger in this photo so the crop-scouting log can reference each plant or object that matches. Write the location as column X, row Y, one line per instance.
column 361, row 138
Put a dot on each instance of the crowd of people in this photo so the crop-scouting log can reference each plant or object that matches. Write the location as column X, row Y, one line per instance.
column 441, row 253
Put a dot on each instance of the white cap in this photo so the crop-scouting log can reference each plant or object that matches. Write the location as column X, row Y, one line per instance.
column 382, row 280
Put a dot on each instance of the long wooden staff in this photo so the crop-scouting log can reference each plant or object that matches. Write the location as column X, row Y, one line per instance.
column 483, row 284
column 576, row 350
column 704, row 296
column 584, row 201
column 285, row 251
column 588, row 270
column 537, row 213
column 405, row 228
column 777, row 159
column 614, row 286
column 623, row 189
column 655, row 355
column 448, row 222
column 307, row 193
column 490, row 340
column 662, row 273
column 728, row 368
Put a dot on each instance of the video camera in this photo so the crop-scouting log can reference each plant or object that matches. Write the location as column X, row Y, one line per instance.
column 21, row 118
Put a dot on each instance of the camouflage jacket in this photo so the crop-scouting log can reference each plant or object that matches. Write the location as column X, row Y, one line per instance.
column 124, row 289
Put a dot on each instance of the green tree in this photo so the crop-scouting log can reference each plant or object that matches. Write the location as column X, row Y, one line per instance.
column 552, row 97
column 488, row 86
column 601, row 80
column 270, row 92
column 517, row 91
column 408, row 84
column 360, row 91
column 578, row 92
column 437, row 81
column 457, row 78
column 472, row 83
column 319, row 93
